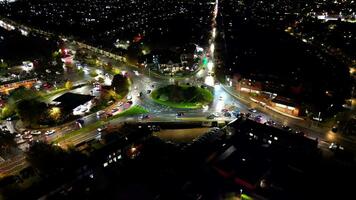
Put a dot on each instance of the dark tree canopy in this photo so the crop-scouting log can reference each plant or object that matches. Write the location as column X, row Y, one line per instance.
column 120, row 84
column 6, row 141
column 30, row 111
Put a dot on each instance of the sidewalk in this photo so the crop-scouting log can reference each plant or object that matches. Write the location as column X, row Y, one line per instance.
column 233, row 93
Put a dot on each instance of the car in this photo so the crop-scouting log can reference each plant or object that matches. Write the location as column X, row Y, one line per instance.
column 271, row 123
column 114, row 110
column 252, row 110
column 50, row 132
column 155, row 128
column 149, row 91
column 129, row 102
column 287, row 128
column 212, row 116
column 100, row 129
column 35, row 132
column 129, row 97
column 227, row 114
column 236, row 113
column 258, row 118
column 18, row 135
column 100, row 112
column 4, row 128
column 144, row 116
column 28, row 136
column 301, row 133
column 220, row 98
column 180, row 114
column 334, row 129
column 335, row 146
column 224, row 110
column 46, row 85
column 20, row 141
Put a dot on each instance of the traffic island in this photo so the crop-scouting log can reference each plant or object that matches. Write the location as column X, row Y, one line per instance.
column 189, row 97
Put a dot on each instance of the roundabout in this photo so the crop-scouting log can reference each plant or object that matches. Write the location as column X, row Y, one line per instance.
column 188, row 97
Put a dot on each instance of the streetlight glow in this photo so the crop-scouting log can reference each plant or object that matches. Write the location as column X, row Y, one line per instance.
column 212, row 48
column 210, row 66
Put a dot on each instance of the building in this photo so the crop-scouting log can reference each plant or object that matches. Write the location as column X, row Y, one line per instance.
column 268, row 93
column 285, row 105
column 78, row 104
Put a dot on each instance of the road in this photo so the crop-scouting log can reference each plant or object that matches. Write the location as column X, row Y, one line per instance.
column 143, row 81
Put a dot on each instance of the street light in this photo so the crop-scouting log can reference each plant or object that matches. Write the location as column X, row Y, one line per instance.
column 210, row 66
column 212, row 48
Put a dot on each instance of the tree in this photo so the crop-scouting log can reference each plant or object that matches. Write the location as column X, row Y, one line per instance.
column 50, row 160
column 120, row 84
column 55, row 113
column 30, row 111
column 7, row 140
column 46, row 158
column 7, row 111
column 3, row 67
column 101, row 80
column 22, row 93
column 69, row 85
column 109, row 94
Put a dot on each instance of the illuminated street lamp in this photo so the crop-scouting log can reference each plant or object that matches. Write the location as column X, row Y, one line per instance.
column 210, row 65
column 212, row 48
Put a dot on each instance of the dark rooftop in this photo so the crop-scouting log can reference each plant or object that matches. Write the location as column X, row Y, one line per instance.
column 70, row 100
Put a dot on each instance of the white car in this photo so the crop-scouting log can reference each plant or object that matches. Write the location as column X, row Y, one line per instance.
column 36, row 132
column 50, row 132
column 101, row 112
column 27, row 136
column 129, row 97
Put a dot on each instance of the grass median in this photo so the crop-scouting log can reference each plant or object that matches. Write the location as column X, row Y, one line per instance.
column 134, row 110
column 189, row 97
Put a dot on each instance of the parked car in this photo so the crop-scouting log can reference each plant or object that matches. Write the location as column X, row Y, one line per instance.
column 36, row 132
